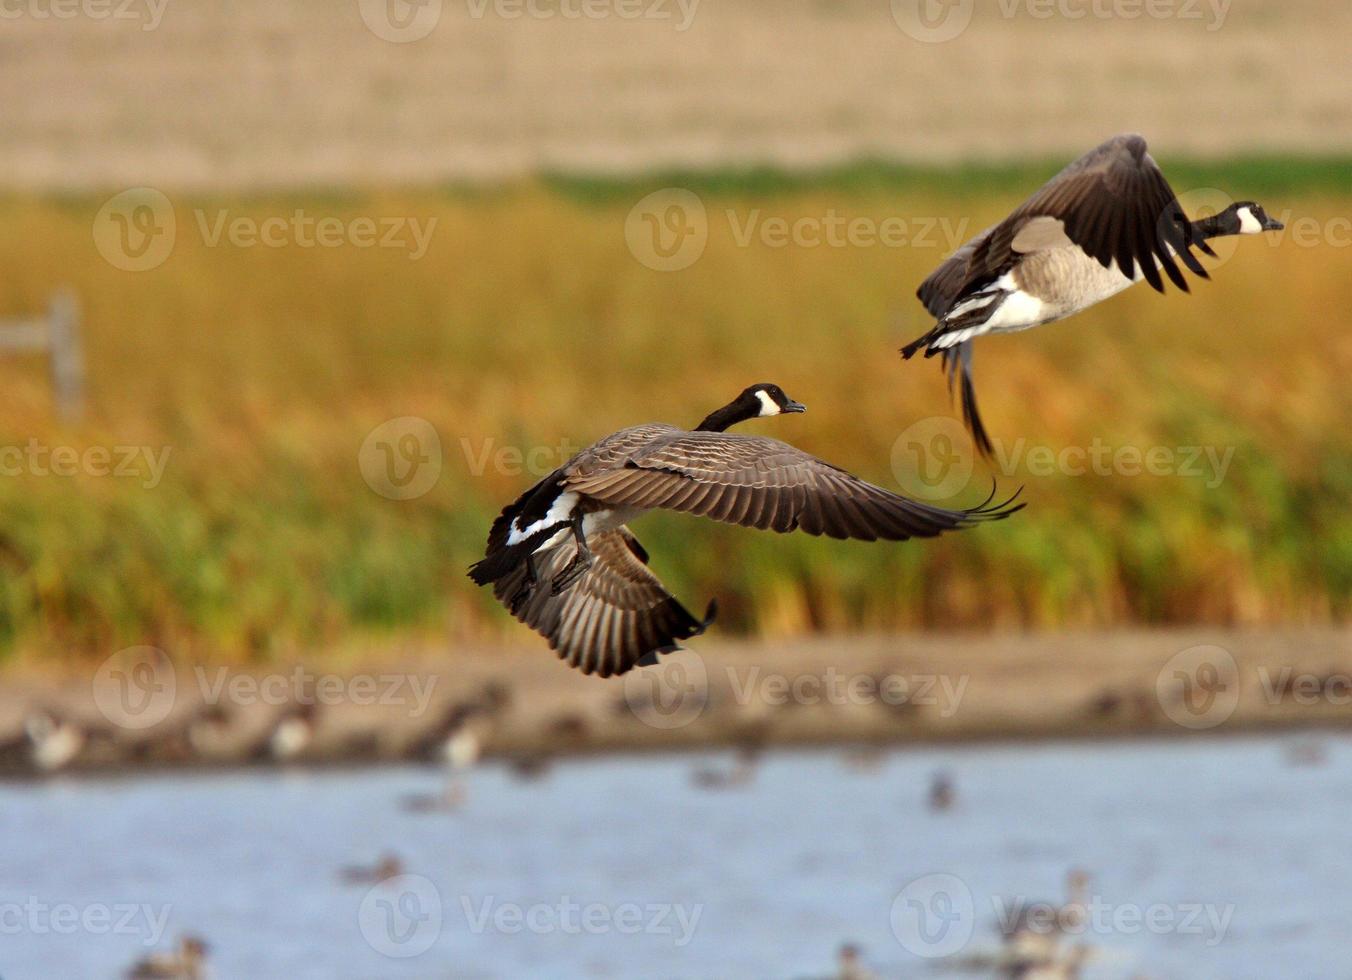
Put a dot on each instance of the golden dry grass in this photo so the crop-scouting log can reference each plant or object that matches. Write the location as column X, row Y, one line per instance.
column 529, row 322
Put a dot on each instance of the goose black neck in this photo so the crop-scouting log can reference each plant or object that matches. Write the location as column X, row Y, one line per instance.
column 1205, row 228
column 729, row 415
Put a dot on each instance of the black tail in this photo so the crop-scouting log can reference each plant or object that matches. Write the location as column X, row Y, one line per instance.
column 913, row 348
column 495, row 565
column 958, row 364
column 503, row 559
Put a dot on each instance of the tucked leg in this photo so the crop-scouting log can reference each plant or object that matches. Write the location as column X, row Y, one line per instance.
column 527, row 589
column 576, row 568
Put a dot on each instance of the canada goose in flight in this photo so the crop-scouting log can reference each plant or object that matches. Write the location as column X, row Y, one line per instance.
column 188, row 963
column 1104, row 223
column 562, row 561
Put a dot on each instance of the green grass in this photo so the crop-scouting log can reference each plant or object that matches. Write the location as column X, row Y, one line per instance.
column 529, row 322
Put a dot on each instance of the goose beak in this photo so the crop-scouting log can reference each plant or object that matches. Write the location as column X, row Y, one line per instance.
column 1272, row 224
column 795, row 407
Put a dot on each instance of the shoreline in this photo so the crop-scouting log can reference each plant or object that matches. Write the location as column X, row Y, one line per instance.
column 823, row 692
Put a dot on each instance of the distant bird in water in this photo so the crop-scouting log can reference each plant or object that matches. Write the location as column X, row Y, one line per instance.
column 187, row 963
column 865, row 758
column 457, row 742
column 55, row 741
column 563, row 561
column 741, row 773
column 1067, row 967
column 942, row 792
column 527, row 766
column 1306, row 753
column 1106, row 222
column 457, row 739
column 850, row 964
column 292, row 731
column 1034, row 938
column 388, row 866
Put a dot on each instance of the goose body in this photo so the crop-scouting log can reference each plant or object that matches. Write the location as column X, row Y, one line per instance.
column 1105, row 223
column 563, row 561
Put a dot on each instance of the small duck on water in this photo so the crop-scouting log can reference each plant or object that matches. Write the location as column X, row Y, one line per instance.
column 188, row 962
column 388, row 866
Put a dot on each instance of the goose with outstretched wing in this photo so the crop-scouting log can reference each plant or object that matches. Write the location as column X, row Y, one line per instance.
column 563, row 561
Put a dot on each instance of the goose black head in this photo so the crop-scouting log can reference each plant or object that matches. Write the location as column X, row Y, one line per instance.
column 1247, row 218
column 758, row 401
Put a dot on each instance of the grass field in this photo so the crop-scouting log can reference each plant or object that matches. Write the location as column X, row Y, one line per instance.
column 529, row 324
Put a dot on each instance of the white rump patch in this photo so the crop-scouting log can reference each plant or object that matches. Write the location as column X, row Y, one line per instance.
column 560, row 510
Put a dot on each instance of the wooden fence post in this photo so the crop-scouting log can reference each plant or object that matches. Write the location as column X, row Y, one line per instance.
column 67, row 354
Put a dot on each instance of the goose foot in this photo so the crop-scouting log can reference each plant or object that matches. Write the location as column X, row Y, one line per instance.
column 527, row 589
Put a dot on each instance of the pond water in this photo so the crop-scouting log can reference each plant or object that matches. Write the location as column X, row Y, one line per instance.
column 1209, row 859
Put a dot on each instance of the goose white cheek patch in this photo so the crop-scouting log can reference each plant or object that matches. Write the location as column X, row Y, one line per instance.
column 1248, row 224
column 768, row 406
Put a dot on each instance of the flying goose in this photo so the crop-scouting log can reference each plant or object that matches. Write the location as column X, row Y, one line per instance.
column 564, row 563
column 1104, row 223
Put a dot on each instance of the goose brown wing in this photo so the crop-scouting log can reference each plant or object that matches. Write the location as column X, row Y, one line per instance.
column 946, row 283
column 767, row 484
column 1115, row 203
column 615, row 616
